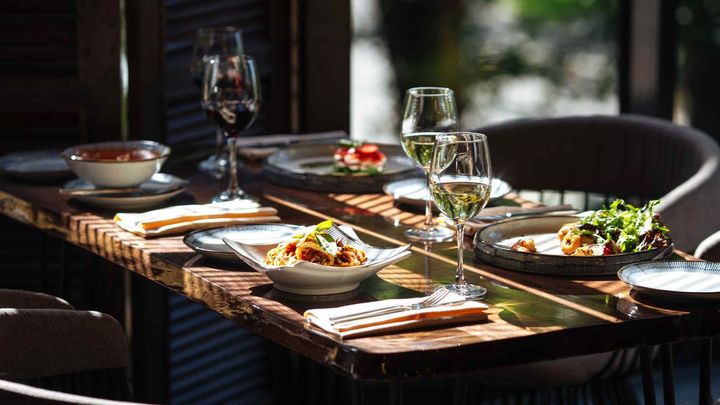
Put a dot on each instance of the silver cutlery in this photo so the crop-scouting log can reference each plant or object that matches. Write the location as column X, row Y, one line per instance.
column 430, row 301
column 529, row 212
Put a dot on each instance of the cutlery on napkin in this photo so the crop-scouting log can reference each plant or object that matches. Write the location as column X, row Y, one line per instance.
column 181, row 218
column 451, row 310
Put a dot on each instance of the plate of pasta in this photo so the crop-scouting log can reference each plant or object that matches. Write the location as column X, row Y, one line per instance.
column 314, row 260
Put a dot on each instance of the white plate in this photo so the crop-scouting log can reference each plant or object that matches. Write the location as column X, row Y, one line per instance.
column 36, row 165
column 309, row 278
column 493, row 245
column 414, row 191
column 682, row 281
column 209, row 242
column 160, row 188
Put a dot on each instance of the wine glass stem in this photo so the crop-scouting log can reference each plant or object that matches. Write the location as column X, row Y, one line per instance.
column 219, row 143
column 232, row 158
column 428, row 204
column 460, row 272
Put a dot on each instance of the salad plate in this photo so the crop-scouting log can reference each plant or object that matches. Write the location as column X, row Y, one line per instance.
column 415, row 192
column 493, row 245
column 675, row 280
column 304, row 277
column 311, row 166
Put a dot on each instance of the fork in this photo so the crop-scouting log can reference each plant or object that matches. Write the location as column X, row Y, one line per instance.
column 429, row 301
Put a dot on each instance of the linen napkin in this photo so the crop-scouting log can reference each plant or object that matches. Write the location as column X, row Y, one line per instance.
column 455, row 313
column 181, row 218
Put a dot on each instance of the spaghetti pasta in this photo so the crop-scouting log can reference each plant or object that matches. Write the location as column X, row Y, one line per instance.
column 315, row 246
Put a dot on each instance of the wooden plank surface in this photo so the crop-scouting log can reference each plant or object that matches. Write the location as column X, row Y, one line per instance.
column 532, row 317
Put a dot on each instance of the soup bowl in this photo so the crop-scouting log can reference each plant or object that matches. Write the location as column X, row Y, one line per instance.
column 116, row 164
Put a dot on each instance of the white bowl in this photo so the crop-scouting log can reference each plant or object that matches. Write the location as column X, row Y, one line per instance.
column 113, row 173
column 310, row 278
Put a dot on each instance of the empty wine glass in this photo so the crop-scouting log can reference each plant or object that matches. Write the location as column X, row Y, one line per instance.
column 427, row 112
column 460, row 185
column 208, row 42
column 232, row 98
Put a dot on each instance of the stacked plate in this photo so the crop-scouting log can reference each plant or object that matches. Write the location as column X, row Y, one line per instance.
column 493, row 245
column 160, row 188
column 674, row 280
column 309, row 166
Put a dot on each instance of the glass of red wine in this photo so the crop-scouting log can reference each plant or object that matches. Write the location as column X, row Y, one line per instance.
column 231, row 97
column 209, row 42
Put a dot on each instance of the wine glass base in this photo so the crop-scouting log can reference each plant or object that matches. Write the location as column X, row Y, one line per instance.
column 214, row 165
column 429, row 234
column 233, row 196
column 469, row 291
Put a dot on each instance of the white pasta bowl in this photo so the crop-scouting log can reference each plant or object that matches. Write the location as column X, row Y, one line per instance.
column 310, row 278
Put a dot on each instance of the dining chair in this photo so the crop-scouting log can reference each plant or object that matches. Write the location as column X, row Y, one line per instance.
column 627, row 156
column 21, row 394
column 47, row 343
column 602, row 158
column 709, row 248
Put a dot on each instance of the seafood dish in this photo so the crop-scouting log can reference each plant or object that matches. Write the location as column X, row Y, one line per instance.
column 620, row 228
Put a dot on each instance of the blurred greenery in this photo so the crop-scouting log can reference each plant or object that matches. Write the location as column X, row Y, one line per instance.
column 474, row 46
column 698, row 41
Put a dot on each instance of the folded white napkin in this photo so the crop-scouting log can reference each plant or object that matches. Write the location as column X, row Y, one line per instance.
column 455, row 313
column 181, row 218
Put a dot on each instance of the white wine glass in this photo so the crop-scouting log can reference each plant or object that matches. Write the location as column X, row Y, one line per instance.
column 428, row 111
column 460, row 185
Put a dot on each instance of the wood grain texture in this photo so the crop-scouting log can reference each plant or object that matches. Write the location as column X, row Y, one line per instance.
column 532, row 317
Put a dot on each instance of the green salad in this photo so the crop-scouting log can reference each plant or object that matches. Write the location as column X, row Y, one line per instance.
column 624, row 228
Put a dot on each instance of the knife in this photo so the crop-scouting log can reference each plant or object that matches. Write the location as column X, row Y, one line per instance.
column 528, row 212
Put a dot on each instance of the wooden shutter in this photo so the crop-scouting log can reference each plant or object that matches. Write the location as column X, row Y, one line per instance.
column 186, row 124
column 59, row 72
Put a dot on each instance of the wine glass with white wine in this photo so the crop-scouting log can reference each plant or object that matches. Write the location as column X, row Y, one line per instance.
column 460, row 185
column 428, row 111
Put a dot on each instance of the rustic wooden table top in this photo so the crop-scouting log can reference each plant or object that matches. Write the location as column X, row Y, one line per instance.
column 531, row 318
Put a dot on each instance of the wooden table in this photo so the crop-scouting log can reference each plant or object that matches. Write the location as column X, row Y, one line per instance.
column 532, row 317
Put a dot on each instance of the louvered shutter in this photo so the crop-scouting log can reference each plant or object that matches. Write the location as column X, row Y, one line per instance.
column 185, row 122
column 59, row 75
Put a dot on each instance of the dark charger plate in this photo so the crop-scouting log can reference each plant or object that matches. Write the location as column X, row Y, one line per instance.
column 492, row 245
column 309, row 166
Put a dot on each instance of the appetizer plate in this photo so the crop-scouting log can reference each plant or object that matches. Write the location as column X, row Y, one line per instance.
column 493, row 245
column 415, row 192
column 675, row 280
column 309, row 166
column 42, row 166
column 304, row 277
column 160, row 188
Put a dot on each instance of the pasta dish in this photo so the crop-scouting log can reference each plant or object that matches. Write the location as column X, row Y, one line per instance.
column 315, row 246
